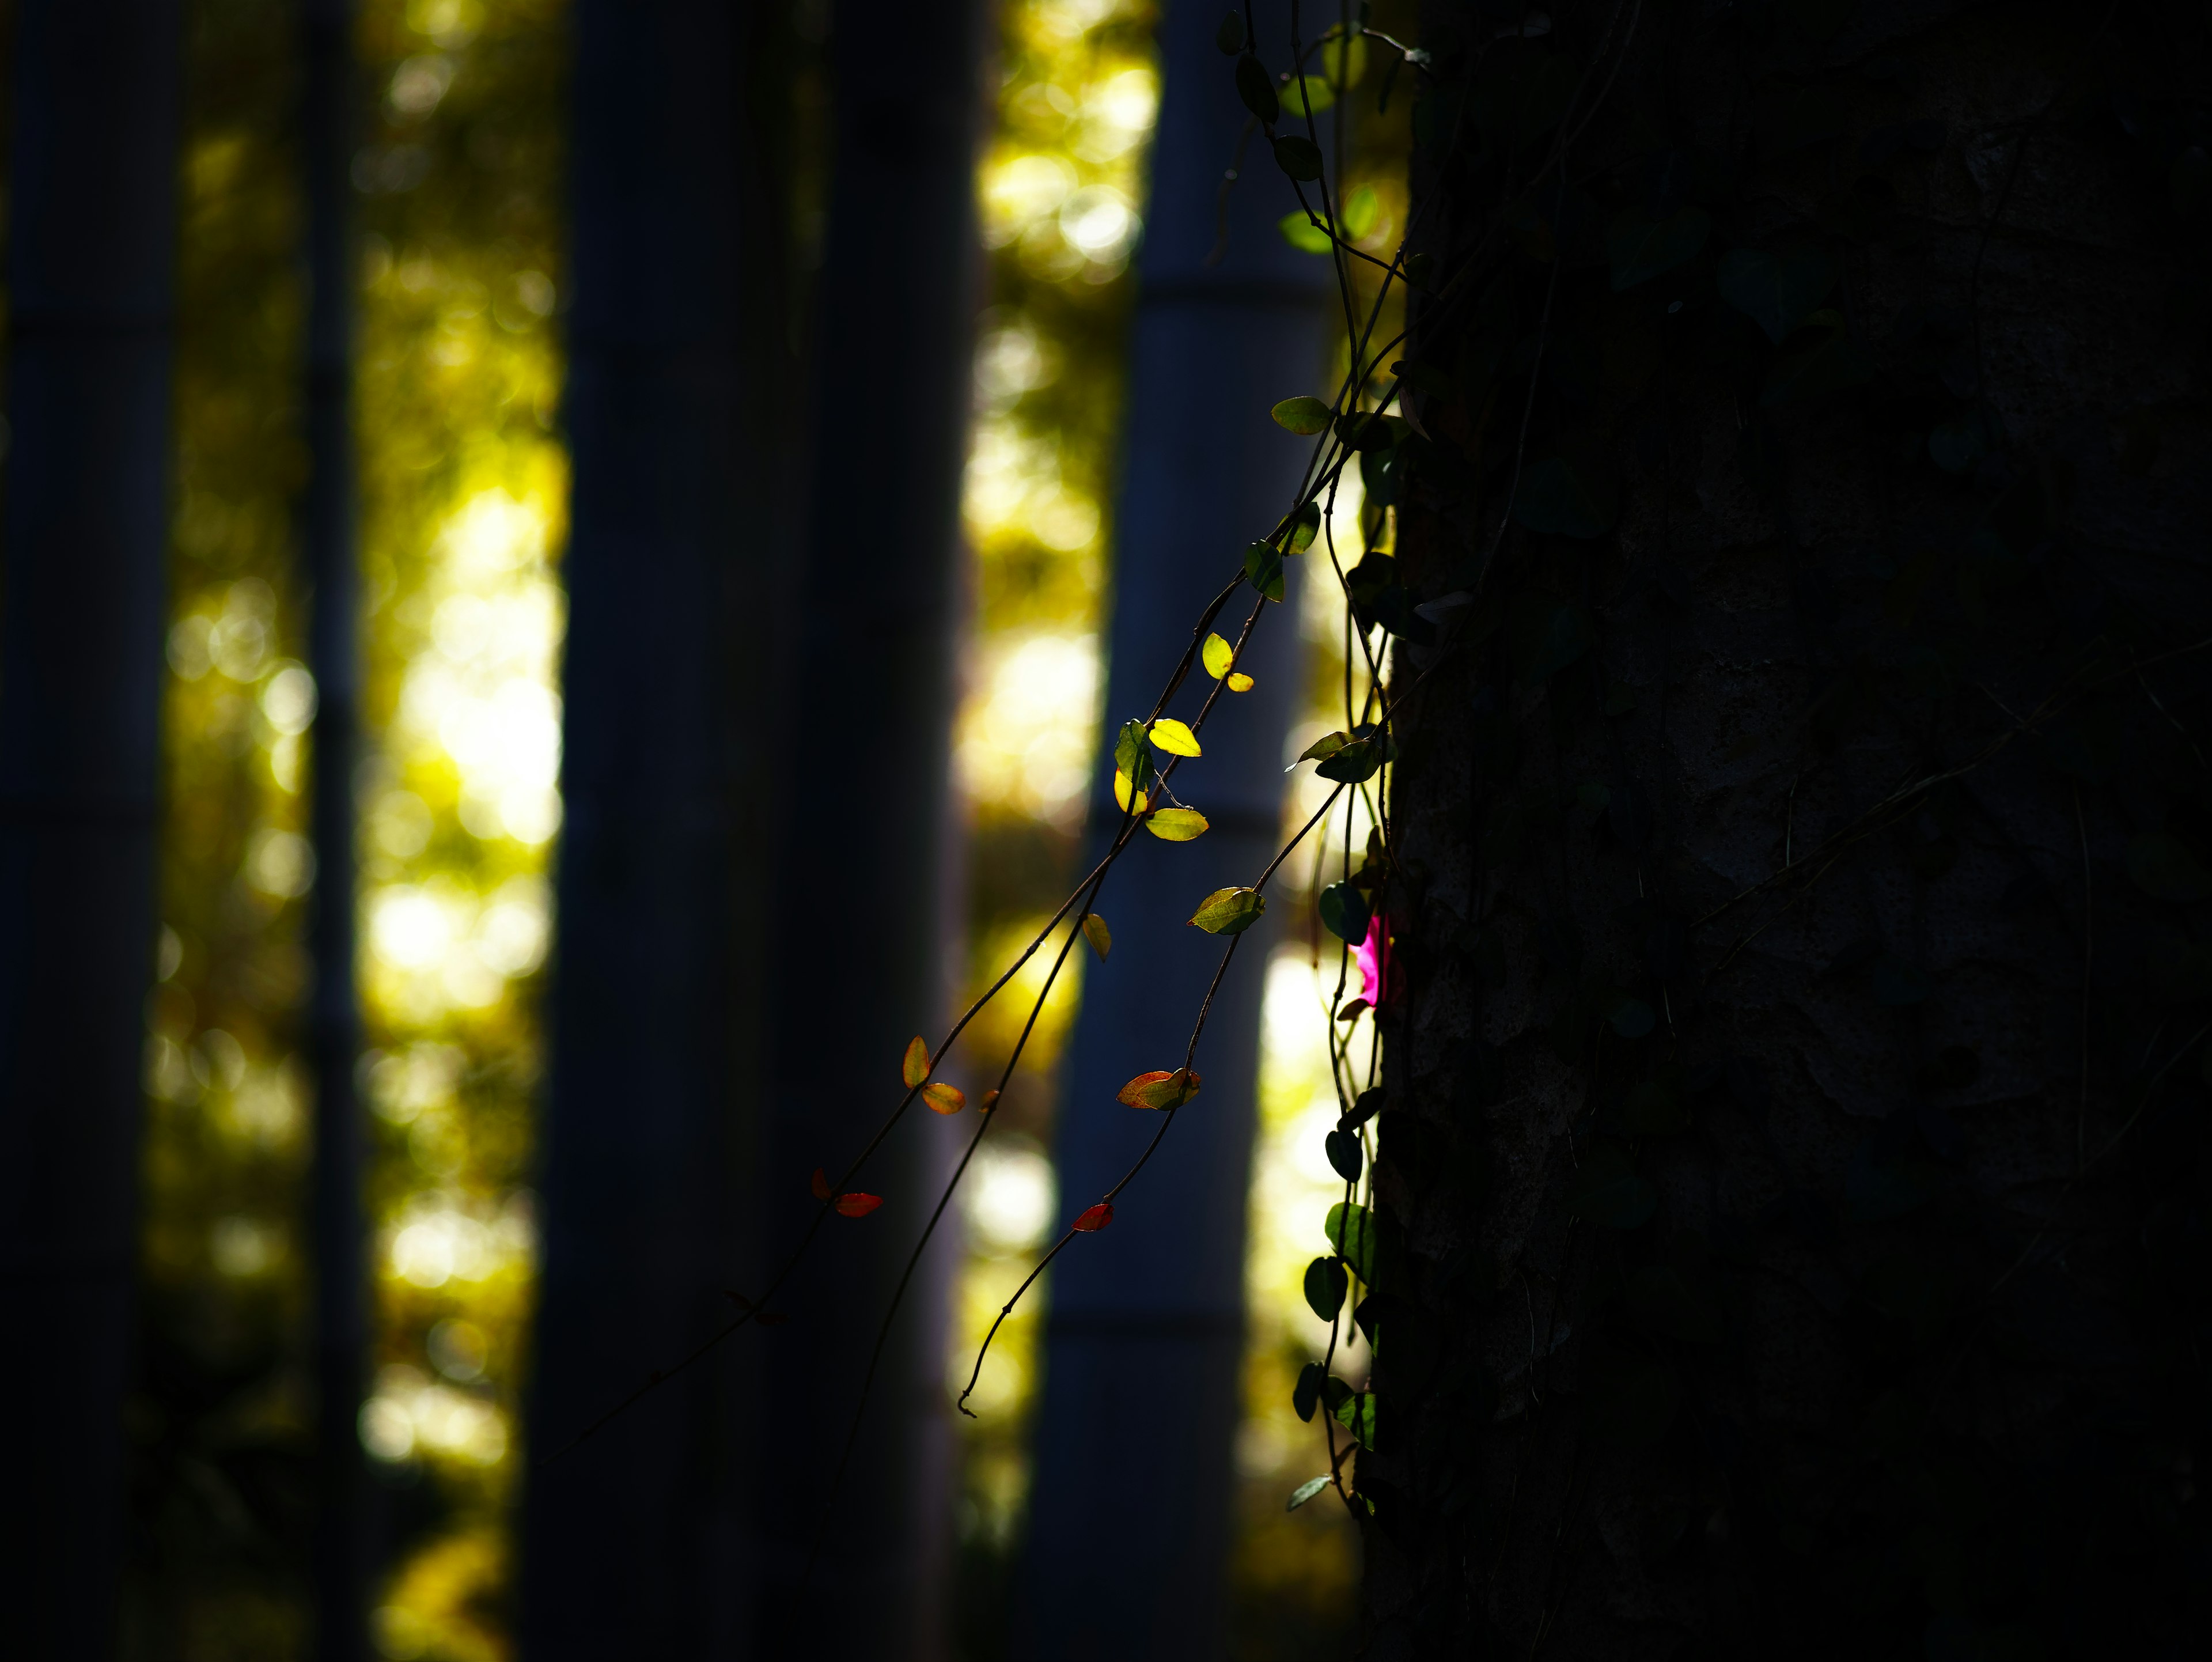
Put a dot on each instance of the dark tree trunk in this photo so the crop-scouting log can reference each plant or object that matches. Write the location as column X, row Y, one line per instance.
column 91, row 260
column 633, row 1543
column 1113, row 1567
column 1794, row 1178
column 863, row 950
column 329, row 558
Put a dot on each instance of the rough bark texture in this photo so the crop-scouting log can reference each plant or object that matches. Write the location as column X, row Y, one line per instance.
column 1793, row 1176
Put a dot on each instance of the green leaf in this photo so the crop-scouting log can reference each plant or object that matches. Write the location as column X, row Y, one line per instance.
column 1776, row 290
column 1343, row 913
column 1326, row 1285
column 1306, row 95
column 1173, row 737
column 1299, row 230
column 1177, row 825
column 1302, row 527
column 1301, row 415
column 1100, row 937
column 1229, row 912
column 1324, row 747
column 1352, row 1233
column 1133, row 754
column 1345, row 1156
column 1641, row 248
column 1607, row 1191
column 1568, row 495
column 1313, row 1379
column 1257, row 89
column 1362, row 211
column 1230, row 37
column 1353, row 764
column 1298, row 157
column 1355, row 1413
column 2165, row 868
column 1306, row 1491
column 1263, row 570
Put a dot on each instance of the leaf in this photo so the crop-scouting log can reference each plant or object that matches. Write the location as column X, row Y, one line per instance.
column 1302, row 526
column 1299, row 230
column 737, row 1298
column 1095, row 932
column 1326, row 1285
column 1173, row 737
column 1352, row 1233
column 1257, row 89
column 772, row 1319
column 1301, row 415
column 1324, row 747
column 857, row 1205
column 1305, row 96
column 1124, row 797
column 1298, row 157
column 1306, row 1491
column 1642, row 248
column 1263, row 570
column 1094, row 1219
column 990, row 1101
column 1132, row 753
column 821, row 1183
column 1607, row 1190
column 1230, row 37
column 1345, row 1155
column 943, row 1098
column 1237, row 681
column 915, row 1067
column 1362, row 211
column 1161, row 1090
column 1353, row 762
column 1229, row 912
column 1217, row 655
column 1177, row 825
column 1305, row 1397
column 2165, row 869
column 1568, row 495
column 1355, row 1413
column 1776, row 290
column 1343, row 913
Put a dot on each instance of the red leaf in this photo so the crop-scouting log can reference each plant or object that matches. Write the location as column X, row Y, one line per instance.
column 1095, row 1220
column 771, row 1319
column 821, row 1183
column 738, row 1298
column 857, row 1205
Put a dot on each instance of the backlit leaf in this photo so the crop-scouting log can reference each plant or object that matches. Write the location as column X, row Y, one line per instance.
column 990, row 1101
column 943, row 1098
column 1217, row 655
column 1237, row 681
column 1306, row 1491
column 857, row 1205
column 1362, row 210
column 1263, row 570
column 1173, row 737
column 1353, row 762
column 1177, row 825
column 1160, row 1090
column 1094, row 1219
column 1352, row 1233
column 1132, row 753
column 1355, row 1413
column 914, row 1068
column 1326, row 1284
column 1100, row 937
column 1324, row 747
column 821, row 1183
column 1123, row 797
column 1345, row 1155
column 1303, row 416
column 1304, row 526
column 1299, row 230
column 1229, row 912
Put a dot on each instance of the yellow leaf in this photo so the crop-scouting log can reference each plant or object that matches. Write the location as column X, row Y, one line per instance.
column 1160, row 1090
column 1177, row 825
column 1217, row 655
column 1121, row 793
column 944, row 1099
column 1237, row 681
column 1173, row 737
column 915, row 1067
column 1100, row 937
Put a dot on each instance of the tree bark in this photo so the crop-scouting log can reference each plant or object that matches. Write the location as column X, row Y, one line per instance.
column 1112, row 1566
column 1793, row 1174
column 91, row 263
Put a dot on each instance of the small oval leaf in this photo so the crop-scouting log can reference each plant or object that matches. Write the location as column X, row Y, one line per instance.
column 1298, row 157
column 857, row 1205
column 943, row 1098
column 1217, row 655
column 1257, row 89
column 1325, row 1287
column 914, row 1068
column 1100, row 937
column 1303, row 416
column 1237, row 681
column 1353, row 762
column 820, row 1184
column 1306, row 1491
column 1159, row 1090
column 1177, row 825
column 1345, row 1156
column 1229, row 912
column 1094, row 1219
column 1173, row 737
column 1230, row 37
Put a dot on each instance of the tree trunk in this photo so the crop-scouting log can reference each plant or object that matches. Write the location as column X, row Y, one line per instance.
column 1793, row 1180
column 1113, row 1567
column 91, row 260
column 330, row 558
column 677, row 344
column 863, row 949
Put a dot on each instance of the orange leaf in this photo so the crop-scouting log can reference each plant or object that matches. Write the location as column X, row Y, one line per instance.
column 738, row 1298
column 857, row 1205
column 1095, row 1220
column 915, row 1067
column 1160, row 1090
column 821, row 1183
column 990, row 1101
column 944, row 1099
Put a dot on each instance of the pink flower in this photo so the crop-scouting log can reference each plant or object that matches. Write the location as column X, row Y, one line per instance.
column 1381, row 982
